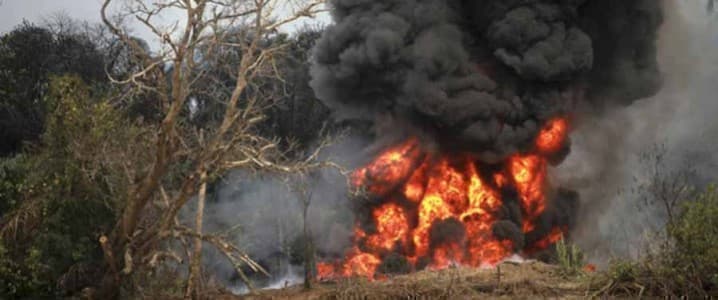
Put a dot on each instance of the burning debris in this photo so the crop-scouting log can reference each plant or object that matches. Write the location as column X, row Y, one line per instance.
column 493, row 86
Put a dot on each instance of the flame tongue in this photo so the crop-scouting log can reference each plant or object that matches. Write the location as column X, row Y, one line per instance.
column 440, row 210
column 552, row 137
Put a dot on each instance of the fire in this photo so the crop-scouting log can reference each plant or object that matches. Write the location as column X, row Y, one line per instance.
column 392, row 226
column 362, row 264
column 554, row 236
column 439, row 210
column 552, row 136
column 388, row 169
column 529, row 174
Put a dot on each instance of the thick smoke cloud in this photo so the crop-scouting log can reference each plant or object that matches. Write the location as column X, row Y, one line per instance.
column 483, row 76
column 537, row 41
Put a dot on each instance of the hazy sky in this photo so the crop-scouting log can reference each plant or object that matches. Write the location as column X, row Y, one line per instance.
column 12, row 12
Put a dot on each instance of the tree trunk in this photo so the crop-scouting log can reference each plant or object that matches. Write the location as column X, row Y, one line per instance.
column 308, row 249
column 110, row 284
column 193, row 282
column 109, row 287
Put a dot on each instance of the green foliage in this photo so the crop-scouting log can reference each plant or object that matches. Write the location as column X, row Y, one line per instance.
column 64, row 195
column 623, row 271
column 685, row 263
column 29, row 56
column 695, row 236
column 21, row 279
column 570, row 258
column 12, row 179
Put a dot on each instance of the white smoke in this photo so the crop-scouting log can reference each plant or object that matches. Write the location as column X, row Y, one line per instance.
column 262, row 214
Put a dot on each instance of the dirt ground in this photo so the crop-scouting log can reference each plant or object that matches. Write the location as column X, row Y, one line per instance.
column 528, row 280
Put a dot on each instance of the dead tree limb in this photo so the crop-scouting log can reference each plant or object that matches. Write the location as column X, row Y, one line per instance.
column 172, row 73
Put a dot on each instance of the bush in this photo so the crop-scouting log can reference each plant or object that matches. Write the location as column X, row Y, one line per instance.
column 570, row 258
column 12, row 178
column 623, row 271
column 685, row 263
column 22, row 278
column 695, row 237
column 58, row 199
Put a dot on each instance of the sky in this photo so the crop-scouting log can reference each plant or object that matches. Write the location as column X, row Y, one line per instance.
column 13, row 12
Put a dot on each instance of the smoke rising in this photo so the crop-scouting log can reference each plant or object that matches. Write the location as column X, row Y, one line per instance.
column 262, row 214
column 485, row 76
column 482, row 76
column 605, row 164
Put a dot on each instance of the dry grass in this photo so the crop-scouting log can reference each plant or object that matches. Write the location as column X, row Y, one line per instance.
column 528, row 280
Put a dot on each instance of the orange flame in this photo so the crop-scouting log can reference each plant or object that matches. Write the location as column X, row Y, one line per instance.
column 389, row 169
column 392, row 226
column 529, row 174
column 361, row 264
column 554, row 236
column 552, row 136
column 420, row 190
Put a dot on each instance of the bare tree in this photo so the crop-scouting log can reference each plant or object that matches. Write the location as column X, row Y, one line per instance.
column 665, row 183
column 183, row 162
column 304, row 194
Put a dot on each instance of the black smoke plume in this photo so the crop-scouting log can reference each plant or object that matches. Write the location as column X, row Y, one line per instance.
column 483, row 75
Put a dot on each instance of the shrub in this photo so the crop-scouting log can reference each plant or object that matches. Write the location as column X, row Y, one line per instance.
column 570, row 258
column 62, row 195
column 695, row 240
column 685, row 263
